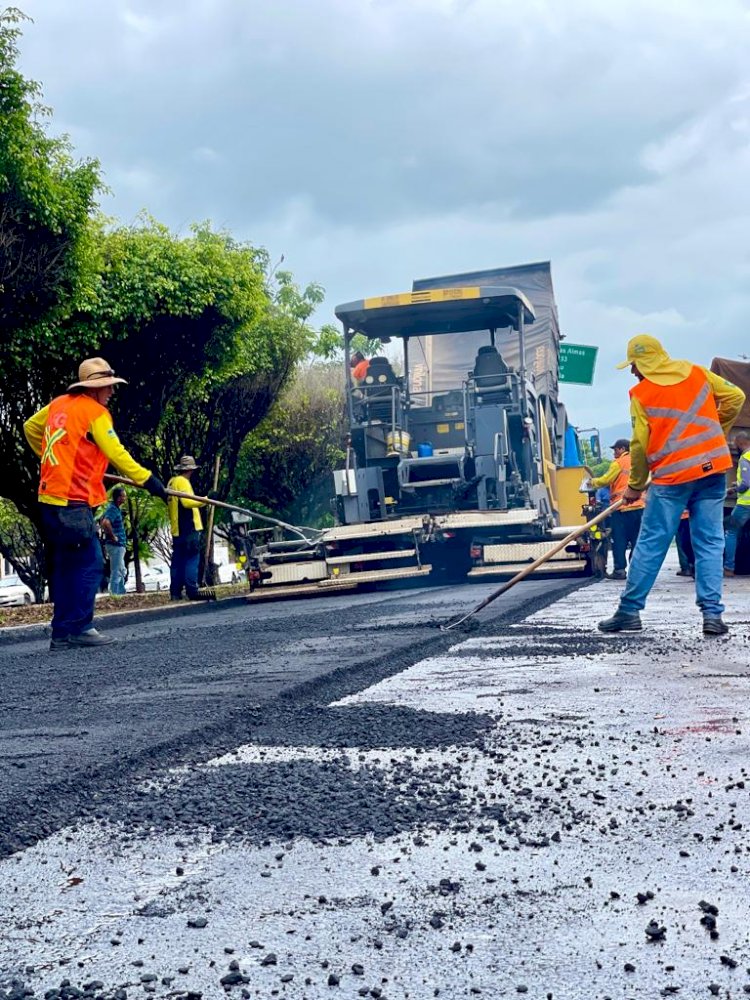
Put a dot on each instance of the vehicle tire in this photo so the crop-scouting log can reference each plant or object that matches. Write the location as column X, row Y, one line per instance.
column 26, row 599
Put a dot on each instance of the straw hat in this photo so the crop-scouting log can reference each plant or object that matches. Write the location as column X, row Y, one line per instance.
column 186, row 463
column 95, row 373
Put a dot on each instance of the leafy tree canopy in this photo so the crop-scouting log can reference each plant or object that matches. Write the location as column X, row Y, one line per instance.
column 285, row 463
column 46, row 252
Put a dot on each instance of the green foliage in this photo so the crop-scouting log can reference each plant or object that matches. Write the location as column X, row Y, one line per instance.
column 21, row 544
column 285, row 464
column 47, row 259
column 599, row 468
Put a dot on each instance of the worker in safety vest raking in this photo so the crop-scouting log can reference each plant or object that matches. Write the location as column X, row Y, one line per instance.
column 75, row 439
column 624, row 523
column 681, row 414
column 741, row 513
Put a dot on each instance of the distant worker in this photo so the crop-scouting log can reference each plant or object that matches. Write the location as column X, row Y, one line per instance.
column 741, row 513
column 681, row 414
column 186, row 525
column 115, row 540
column 75, row 439
column 359, row 365
column 624, row 523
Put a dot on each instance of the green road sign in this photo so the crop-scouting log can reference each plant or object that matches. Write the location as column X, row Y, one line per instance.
column 577, row 363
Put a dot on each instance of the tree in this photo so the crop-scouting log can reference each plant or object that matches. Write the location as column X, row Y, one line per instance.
column 285, row 464
column 20, row 544
column 46, row 256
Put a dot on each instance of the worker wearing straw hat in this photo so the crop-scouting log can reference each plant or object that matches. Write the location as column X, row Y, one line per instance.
column 76, row 442
column 681, row 415
column 186, row 525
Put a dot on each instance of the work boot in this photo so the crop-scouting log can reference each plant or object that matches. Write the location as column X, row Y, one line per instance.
column 728, row 572
column 621, row 621
column 618, row 574
column 714, row 626
column 60, row 643
column 683, row 572
column 90, row 638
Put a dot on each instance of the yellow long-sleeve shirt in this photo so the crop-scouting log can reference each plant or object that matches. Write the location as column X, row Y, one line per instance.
column 180, row 524
column 608, row 477
column 729, row 400
column 105, row 437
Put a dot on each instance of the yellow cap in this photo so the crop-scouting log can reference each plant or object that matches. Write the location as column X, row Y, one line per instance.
column 646, row 352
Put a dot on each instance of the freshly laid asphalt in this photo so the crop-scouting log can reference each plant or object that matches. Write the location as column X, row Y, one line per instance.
column 334, row 798
column 76, row 723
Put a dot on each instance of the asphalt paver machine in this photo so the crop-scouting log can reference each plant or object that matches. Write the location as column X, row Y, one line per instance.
column 456, row 458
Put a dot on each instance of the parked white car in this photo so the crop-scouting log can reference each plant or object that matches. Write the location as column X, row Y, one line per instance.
column 228, row 573
column 153, row 577
column 13, row 591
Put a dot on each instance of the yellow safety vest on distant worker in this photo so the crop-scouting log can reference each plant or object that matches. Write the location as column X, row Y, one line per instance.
column 743, row 474
column 184, row 514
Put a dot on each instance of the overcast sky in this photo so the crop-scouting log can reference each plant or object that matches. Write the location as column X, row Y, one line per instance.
column 375, row 141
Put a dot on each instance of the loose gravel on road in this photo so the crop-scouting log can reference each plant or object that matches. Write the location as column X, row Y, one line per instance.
column 529, row 809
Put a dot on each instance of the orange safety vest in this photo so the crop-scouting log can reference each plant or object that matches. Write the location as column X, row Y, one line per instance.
column 620, row 484
column 73, row 465
column 685, row 441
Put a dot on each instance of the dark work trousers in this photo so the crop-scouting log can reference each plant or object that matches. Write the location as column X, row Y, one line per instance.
column 685, row 547
column 75, row 572
column 186, row 555
column 625, row 526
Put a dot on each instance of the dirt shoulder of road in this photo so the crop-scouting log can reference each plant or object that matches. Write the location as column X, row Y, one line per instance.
column 41, row 614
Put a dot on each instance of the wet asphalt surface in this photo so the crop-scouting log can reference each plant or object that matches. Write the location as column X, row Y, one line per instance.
column 335, row 799
column 76, row 724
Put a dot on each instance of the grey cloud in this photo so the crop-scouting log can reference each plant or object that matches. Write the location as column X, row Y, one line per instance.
column 376, row 141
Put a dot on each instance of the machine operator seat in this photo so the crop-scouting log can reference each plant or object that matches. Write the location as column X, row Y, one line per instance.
column 378, row 389
column 491, row 376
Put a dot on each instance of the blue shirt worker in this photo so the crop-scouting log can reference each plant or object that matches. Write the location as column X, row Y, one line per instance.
column 186, row 525
column 741, row 513
column 115, row 540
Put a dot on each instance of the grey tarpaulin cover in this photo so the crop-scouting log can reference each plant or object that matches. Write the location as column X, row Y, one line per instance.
column 440, row 363
column 737, row 372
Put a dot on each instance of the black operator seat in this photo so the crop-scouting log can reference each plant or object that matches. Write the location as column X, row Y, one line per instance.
column 491, row 376
column 377, row 388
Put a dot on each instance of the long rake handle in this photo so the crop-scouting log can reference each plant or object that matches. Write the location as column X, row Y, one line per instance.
column 215, row 503
column 528, row 570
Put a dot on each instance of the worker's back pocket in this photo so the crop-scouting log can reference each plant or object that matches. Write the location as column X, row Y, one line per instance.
column 70, row 526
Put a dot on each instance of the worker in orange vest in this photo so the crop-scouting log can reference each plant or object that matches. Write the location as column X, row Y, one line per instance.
column 359, row 365
column 624, row 523
column 681, row 415
column 76, row 441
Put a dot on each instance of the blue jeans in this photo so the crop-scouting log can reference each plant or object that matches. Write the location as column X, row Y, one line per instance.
column 186, row 555
column 116, row 555
column 704, row 498
column 739, row 518
column 74, row 569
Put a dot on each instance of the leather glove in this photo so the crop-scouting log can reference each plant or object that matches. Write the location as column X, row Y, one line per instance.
column 156, row 488
column 213, row 495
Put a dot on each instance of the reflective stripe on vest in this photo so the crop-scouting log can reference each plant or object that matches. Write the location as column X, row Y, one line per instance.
column 73, row 465
column 621, row 483
column 686, row 441
column 743, row 499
